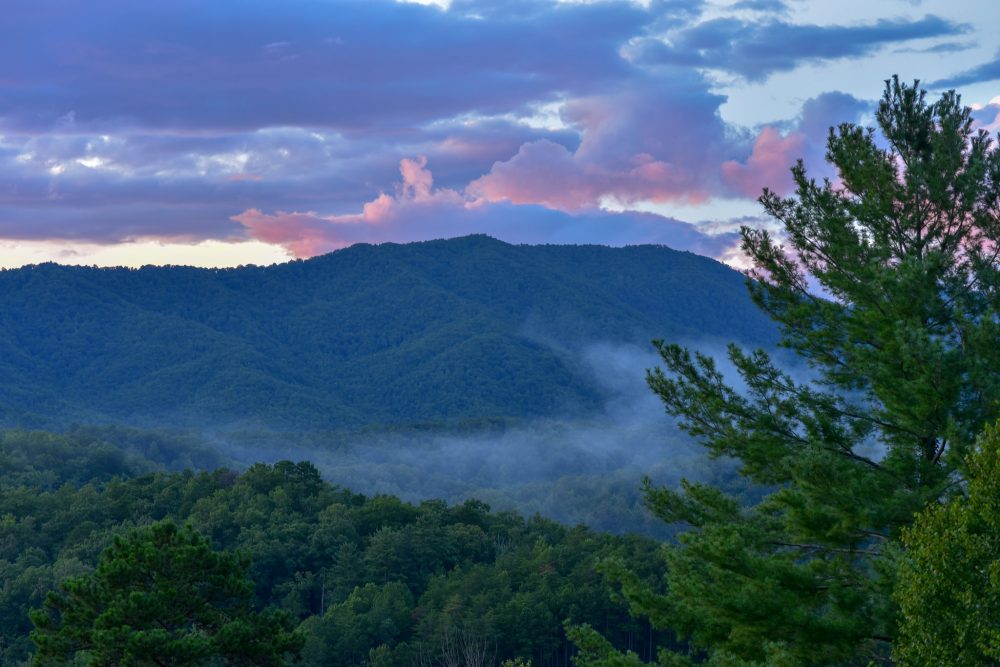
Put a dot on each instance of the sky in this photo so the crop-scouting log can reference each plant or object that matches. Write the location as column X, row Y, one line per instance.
column 224, row 133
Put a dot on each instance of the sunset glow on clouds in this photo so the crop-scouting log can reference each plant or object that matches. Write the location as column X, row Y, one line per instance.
column 417, row 210
column 227, row 133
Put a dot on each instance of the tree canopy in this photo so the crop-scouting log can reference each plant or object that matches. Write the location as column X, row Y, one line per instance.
column 364, row 578
column 884, row 283
column 437, row 331
column 949, row 578
column 162, row 596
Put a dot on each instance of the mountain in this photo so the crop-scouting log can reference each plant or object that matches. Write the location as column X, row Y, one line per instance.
column 446, row 331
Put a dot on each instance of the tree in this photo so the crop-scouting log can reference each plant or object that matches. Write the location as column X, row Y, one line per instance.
column 949, row 579
column 161, row 596
column 887, row 290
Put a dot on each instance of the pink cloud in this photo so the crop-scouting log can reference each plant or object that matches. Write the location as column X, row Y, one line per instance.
column 987, row 116
column 546, row 173
column 768, row 164
column 419, row 211
column 656, row 146
column 417, row 179
column 773, row 153
column 302, row 234
column 635, row 145
column 309, row 234
column 542, row 172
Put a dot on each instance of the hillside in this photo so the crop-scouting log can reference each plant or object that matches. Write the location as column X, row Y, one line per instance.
column 444, row 331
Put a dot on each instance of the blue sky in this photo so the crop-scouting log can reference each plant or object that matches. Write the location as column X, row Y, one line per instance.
column 226, row 133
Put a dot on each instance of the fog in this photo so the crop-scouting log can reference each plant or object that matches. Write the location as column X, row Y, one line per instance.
column 576, row 470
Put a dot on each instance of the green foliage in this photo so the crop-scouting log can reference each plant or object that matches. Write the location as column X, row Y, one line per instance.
column 367, row 579
column 47, row 460
column 95, row 455
column 516, row 662
column 372, row 616
column 901, row 376
column 596, row 651
column 948, row 587
column 161, row 596
column 436, row 331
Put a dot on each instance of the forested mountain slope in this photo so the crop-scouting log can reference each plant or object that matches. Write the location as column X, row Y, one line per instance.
column 447, row 331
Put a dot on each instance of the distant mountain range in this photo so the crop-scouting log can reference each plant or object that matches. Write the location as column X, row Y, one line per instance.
column 440, row 331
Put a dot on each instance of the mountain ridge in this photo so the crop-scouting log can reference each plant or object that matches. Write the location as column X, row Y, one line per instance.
column 450, row 330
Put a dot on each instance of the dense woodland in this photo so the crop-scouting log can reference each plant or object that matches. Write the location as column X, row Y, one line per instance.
column 443, row 331
column 360, row 576
column 863, row 528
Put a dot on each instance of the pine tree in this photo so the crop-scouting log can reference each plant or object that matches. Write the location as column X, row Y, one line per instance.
column 161, row 596
column 887, row 290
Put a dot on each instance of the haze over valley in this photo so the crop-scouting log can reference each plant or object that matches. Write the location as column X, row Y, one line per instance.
column 466, row 368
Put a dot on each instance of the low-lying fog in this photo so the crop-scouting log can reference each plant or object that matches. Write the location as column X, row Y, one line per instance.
column 575, row 471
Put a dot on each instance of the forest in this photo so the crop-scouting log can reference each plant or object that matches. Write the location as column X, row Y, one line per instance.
column 853, row 519
column 440, row 332
column 364, row 579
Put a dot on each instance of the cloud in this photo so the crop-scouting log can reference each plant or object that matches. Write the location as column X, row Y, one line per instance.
column 169, row 127
column 987, row 116
column 351, row 66
column 773, row 154
column 755, row 50
column 942, row 47
column 767, row 6
column 637, row 144
column 368, row 65
column 643, row 144
column 829, row 110
column 988, row 71
column 768, row 164
column 418, row 211
column 547, row 174
column 122, row 122
column 117, row 187
column 541, row 173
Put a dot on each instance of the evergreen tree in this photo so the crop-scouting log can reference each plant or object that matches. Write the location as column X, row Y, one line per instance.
column 949, row 579
column 161, row 596
column 887, row 290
